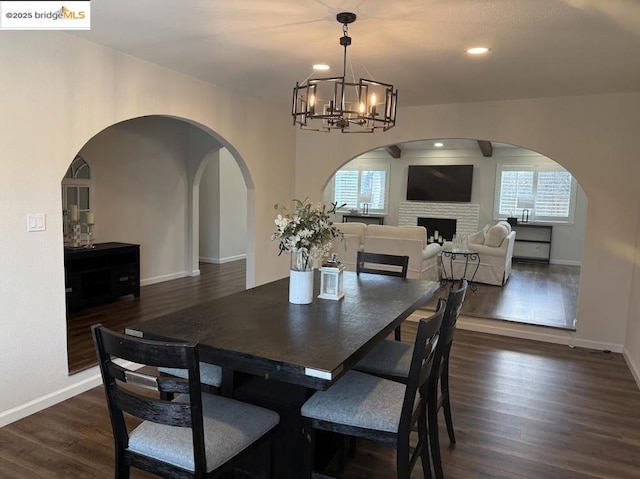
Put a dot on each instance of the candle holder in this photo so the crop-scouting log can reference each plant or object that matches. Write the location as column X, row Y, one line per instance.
column 89, row 244
column 75, row 234
column 331, row 282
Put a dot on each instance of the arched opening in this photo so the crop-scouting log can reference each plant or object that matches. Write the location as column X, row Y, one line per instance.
column 147, row 190
column 542, row 286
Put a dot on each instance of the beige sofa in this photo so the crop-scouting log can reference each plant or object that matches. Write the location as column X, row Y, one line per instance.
column 399, row 240
column 495, row 260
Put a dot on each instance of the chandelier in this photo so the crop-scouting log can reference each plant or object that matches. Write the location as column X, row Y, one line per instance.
column 325, row 104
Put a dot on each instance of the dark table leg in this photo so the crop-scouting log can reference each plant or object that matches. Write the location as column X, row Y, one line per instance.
column 286, row 399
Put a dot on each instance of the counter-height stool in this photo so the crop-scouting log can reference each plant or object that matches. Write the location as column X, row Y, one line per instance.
column 197, row 435
column 392, row 360
column 365, row 406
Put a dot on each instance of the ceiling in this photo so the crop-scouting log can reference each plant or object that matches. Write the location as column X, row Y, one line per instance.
column 539, row 48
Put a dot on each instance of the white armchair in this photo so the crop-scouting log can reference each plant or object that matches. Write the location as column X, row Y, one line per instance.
column 495, row 261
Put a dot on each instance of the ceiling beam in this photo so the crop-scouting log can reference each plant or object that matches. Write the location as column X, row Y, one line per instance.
column 486, row 147
column 394, row 151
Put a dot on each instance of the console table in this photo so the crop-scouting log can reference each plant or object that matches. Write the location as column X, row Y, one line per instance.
column 101, row 274
column 368, row 219
column 533, row 242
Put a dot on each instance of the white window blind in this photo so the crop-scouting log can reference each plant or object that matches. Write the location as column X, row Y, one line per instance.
column 546, row 191
column 355, row 187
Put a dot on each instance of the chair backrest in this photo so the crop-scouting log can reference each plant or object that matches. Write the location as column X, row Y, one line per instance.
column 387, row 264
column 427, row 339
column 451, row 314
column 447, row 330
column 128, row 391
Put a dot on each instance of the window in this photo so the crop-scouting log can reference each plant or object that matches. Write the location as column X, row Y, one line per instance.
column 547, row 191
column 356, row 186
column 77, row 187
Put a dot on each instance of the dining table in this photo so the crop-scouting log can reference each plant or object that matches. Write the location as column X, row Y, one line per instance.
column 276, row 354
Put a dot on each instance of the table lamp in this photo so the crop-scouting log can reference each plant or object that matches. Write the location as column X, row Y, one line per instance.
column 525, row 203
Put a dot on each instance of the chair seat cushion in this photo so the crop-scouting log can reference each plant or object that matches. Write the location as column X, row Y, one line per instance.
column 230, row 426
column 210, row 374
column 360, row 400
column 388, row 358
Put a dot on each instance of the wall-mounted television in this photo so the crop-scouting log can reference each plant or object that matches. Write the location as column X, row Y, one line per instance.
column 445, row 183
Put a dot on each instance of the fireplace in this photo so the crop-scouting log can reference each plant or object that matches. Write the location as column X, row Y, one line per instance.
column 446, row 227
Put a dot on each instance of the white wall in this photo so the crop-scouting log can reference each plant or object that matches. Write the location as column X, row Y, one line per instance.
column 223, row 210
column 632, row 343
column 567, row 239
column 60, row 92
column 210, row 210
column 233, row 209
column 594, row 137
column 140, row 191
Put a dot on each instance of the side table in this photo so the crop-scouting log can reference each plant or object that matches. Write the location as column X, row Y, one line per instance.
column 471, row 260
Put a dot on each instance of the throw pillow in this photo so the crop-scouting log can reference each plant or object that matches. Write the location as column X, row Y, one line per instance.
column 495, row 236
column 485, row 230
column 476, row 238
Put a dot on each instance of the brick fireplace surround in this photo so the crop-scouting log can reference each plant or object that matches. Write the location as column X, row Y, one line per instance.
column 467, row 215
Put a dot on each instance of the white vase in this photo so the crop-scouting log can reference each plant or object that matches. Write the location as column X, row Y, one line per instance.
column 301, row 287
column 301, row 277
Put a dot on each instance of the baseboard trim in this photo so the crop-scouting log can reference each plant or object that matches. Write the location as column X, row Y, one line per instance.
column 532, row 332
column 166, row 277
column 565, row 262
column 633, row 366
column 87, row 379
column 228, row 259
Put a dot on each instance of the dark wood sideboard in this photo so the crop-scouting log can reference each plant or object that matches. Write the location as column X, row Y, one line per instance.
column 101, row 274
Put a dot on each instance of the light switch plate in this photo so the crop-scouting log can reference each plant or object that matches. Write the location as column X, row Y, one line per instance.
column 36, row 222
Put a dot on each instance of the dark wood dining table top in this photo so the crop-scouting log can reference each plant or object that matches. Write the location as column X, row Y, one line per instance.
column 258, row 331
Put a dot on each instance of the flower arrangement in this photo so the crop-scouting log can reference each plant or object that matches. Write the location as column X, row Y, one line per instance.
column 307, row 231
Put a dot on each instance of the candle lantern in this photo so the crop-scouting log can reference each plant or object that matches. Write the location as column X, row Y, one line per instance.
column 331, row 274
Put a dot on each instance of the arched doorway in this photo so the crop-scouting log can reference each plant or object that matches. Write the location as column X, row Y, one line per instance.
column 379, row 178
column 145, row 192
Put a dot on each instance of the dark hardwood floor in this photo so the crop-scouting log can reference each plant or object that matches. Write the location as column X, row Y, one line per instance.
column 215, row 281
column 540, row 294
column 545, row 295
column 521, row 410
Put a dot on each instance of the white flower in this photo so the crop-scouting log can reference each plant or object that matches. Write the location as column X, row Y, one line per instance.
column 309, row 226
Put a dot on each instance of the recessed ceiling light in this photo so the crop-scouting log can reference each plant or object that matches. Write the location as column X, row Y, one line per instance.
column 321, row 66
column 477, row 50
column 438, row 145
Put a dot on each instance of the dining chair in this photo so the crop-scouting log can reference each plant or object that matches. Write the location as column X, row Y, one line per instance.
column 380, row 263
column 387, row 264
column 364, row 406
column 210, row 378
column 392, row 360
column 197, row 435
